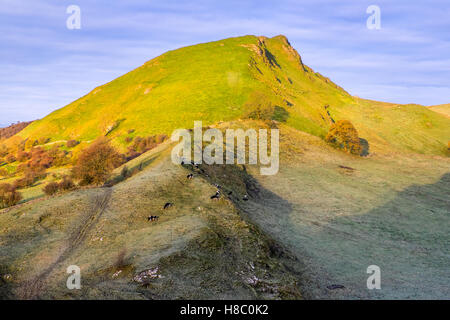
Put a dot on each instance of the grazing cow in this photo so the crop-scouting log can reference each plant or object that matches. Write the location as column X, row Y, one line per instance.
column 190, row 176
column 335, row 286
column 245, row 198
column 168, row 205
column 216, row 196
column 152, row 218
column 218, row 186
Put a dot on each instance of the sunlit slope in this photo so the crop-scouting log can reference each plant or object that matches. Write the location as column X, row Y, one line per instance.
column 208, row 82
column 228, row 79
column 442, row 109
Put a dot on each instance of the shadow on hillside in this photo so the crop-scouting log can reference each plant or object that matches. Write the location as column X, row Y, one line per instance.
column 263, row 209
column 364, row 147
column 407, row 237
column 6, row 289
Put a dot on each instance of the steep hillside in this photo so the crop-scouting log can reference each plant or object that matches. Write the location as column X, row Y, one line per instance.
column 198, row 249
column 231, row 79
column 321, row 221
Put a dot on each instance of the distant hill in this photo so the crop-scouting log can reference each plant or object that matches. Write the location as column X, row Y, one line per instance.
column 8, row 131
column 442, row 108
column 231, row 79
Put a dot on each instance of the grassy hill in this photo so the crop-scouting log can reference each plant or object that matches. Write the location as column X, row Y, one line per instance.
column 442, row 109
column 226, row 80
column 320, row 221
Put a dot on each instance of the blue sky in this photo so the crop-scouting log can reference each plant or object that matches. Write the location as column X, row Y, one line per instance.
column 44, row 65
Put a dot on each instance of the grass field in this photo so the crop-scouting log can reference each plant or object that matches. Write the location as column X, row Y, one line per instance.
column 312, row 225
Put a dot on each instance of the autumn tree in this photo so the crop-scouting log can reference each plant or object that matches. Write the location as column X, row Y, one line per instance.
column 9, row 195
column 95, row 163
column 343, row 135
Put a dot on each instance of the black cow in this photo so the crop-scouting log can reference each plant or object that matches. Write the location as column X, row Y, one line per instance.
column 168, row 205
column 216, row 196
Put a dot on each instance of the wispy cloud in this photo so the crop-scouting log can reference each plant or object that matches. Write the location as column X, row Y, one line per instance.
column 44, row 66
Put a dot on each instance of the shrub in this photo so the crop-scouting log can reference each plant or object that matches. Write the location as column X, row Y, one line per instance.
column 40, row 159
column 95, row 164
column 10, row 158
column 30, row 177
column 51, row 188
column 3, row 172
column 3, row 151
column 141, row 145
column 57, row 157
column 128, row 139
column 66, row 184
column 161, row 138
column 72, row 143
column 131, row 154
column 30, row 143
column 125, row 173
column 9, row 195
column 343, row 135
column 43, row 140
column 23, row 156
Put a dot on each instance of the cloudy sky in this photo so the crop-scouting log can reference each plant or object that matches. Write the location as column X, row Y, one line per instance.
column 44, row 65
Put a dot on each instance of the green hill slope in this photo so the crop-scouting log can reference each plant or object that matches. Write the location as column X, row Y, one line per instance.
column 228, row 79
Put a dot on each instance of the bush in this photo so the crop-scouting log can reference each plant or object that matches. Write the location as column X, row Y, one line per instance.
column 96, row 163
column 141, row 145
column 66, row 184
column 51, row 188
column 72, row 143
column 3, row 172
column 23, row 156
column 161, row 138
column 10, row 158
column 30, row 177
column 57, row 157
column 9, row 195
column 43, row 140
column 3, row 151
column 30, row 143
column 343, row 135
